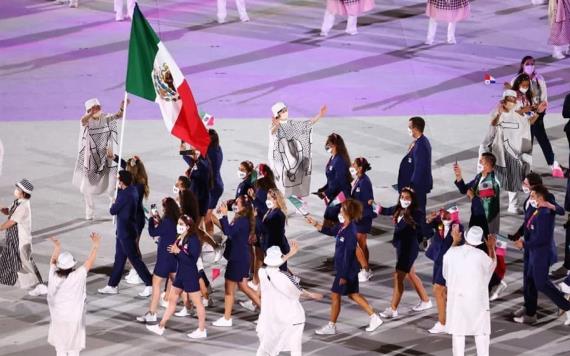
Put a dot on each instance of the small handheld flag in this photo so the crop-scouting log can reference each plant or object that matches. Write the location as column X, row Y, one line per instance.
column 502, row 242
column 340, row 198
column 489, row 79
column 215, row 273
column 298, row 204
column 207, row 119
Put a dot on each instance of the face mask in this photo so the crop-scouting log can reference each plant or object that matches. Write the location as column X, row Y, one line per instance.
column 529, row 69
column 269, row 204
column 509, row 106
column 97, row 114
column 532, row 203
column 523, row 90
column 283, row 121
column 352, row 172
column 175, row 190
column 241, row 174
column 446, row 222
column 405, row 203
column 341, row 218
column 329, row 150
column 410, row 132
column 525, row 189
column 17, row 193
column 180, row 229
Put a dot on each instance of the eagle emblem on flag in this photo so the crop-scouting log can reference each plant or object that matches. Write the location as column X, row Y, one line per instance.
column 164, row 83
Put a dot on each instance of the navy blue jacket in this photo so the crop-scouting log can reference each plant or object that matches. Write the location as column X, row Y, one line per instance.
column 126, row 208
column 244, row 186
column 345, row 263
column 200, row 181
column 141, row 218
column 237, row 248
column 166, row 230
column 337, row 178
column 188, row 257
column 415, row 168
column 362, row 191
column 216, row 158
column 541, row 234
column 260, row 209
column 274, row 231
column 439, row 244
column 404, row 234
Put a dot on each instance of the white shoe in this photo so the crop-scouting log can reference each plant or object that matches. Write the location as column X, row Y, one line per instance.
column 155, row 329
column 163, row 303
column 249, row 305
column 119, row 18
column 146, row 292
column 514, row 210
column 218, row 254
column 73, row 5
column 375, row 322
column 108, row 290
column 324, row 34
column 421, row 306
column 244, row 18
column 351, row 32
column 389, row 313
column 89, row 217
column 498, row 290
column 525, row 319
column 135, row 279
column 537, row 2
column 198, row 334
column 40, row 289
column 148, row 317
column 364, row 276
column 519, row 312
column 329, row 329
column 567, row 322
column 223, row 322
column 182, row 312
column 429, row 41
column 451, row 40
column 253, row 286
column 437, row 329
column 221, row 20
column 564, row 288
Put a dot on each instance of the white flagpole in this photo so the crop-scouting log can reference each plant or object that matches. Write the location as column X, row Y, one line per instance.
column 124, row 119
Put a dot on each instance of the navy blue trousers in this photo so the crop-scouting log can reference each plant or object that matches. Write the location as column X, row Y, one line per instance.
column 127, row 249
column 539, row 132
column 536, row 279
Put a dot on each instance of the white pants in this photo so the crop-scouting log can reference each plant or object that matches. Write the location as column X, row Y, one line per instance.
column 223, row 11
column 328, row 23
column 481, row 343
column 66, row 353
column 513, row 200
column 90, row 204
column 432, row 29
column 119, row 14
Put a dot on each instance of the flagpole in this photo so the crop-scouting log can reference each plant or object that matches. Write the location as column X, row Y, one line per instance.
column 124, row 119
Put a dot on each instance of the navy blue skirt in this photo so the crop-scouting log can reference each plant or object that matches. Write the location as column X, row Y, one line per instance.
column 215, row 195
column 437, row 277
column 165, row 265
column 236, row 271
column 350, row 287
column 187, row 280
column 364, row 225
column 406, row 257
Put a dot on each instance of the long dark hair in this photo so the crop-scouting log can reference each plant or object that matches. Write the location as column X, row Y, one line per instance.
column 192, row 228
column 214, row 139
column 248, row 165
column 267, row 180
column 63, row 273
column 517, row 83
column 246, row 212
column 521, row 67
column 341, row 150
column 138, row 170
column 362, row 163
column 188, row 204
column 408, row 212
column 171, row 209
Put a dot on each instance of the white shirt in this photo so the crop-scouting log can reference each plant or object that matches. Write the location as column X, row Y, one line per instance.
column 23, row 217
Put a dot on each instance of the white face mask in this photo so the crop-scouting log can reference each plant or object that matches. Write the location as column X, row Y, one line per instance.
column 525, row 189
column 410, row 132
column 180, row 229
column 447, row 222
column 269, row 204
column 241, row 174
column 341, row 218
column 509, row 106
column 329, row 150
column 353, row 172
column 175, row 190
column 532, row 203
column 523, row 90
column 529, row 69
column 405, row 203
column 17, row 194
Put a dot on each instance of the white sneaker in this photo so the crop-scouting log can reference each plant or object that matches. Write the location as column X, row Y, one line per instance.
column 218, row 254
column 329, row 329
column 498, row 290
column 244, row 18
column 205, row 302
column 389, row 313
column 131, row 274
column 375, row 322
column 221, row 20
column 223, row 322
column 108, row 290
column 40, row 289
column 119, row 18
column 351, row 32
column 146, row 292
column 525, row 319
column 364, row 276
column 519, row 312
column 148, row 317
column 451, row 40
column 437, row 329
column 421, row 306
column 198, row 334
column 429, row 41
column 182, row 312
column 564, row 288
column 249, row 305
column 253, row 286
column 135, row 279
column 163, row 303
column 567, row 322
column 324, row 34
column 155, row 329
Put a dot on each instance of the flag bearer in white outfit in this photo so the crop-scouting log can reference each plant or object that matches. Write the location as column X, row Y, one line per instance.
column 223, row 11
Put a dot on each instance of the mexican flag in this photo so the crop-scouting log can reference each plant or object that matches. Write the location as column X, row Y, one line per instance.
column 152, row 74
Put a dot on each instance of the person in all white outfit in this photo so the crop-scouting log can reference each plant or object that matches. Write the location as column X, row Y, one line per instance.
column 66, row 299
column 119, row 9
column 349, row 8
column 95, row 172
column 467, row 271
column 223, row 11
column 450, row 11
column 282, row 317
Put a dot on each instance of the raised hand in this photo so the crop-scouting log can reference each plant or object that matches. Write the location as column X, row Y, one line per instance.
column 95, row 238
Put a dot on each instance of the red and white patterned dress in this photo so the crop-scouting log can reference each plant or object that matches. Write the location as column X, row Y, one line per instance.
column 448, row 10
column 349, row 7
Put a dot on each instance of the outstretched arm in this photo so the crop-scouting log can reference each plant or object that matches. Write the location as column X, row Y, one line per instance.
column 320, row 115
column 56, row 250
column 95, row 241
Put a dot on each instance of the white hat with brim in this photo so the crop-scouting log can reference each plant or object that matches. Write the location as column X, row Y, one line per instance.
column 509, row 92
column 25, row 186
column 277, row 107
column 91, row 103
column 273, row 257
column 474, row 236
column 65, row 261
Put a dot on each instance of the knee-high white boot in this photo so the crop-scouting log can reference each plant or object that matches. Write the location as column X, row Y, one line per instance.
column 240, row 4
column 432, row 28
column 351, row 25
column 451, row 33
column 328, row 23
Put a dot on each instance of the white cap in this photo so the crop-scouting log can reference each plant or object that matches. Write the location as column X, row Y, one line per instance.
column 25, row 186
column 509, row 92
column 273, row 257
column 474, row 236
column 65, row 261
column 91, row 103
column 278, row 106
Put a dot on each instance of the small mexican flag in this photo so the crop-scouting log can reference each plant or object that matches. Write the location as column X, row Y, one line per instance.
column 152, row 74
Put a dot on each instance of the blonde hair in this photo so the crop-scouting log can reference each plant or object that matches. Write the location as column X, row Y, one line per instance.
column 278, row 196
